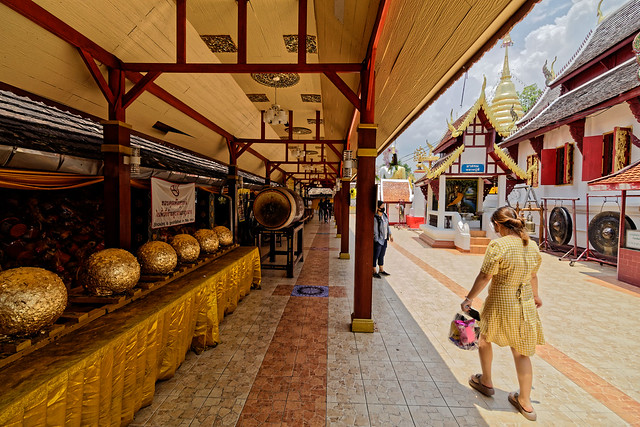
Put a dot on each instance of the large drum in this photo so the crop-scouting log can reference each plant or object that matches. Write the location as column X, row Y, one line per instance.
column 277, row 207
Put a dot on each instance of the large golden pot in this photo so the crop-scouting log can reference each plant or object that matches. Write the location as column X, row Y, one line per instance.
column 110, row 271
column 186, row 247
column 224, row 235
column 208, row 240
column 157, row 257
column 30, row 299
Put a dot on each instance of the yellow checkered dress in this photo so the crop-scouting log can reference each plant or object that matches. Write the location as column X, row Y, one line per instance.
column 509, row 315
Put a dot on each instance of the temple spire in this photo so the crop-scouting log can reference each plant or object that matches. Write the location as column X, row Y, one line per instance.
column 506, row 105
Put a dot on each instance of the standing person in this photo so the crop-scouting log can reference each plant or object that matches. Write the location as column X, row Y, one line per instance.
column 509, row 316
column 321, row 210
column 381, row 235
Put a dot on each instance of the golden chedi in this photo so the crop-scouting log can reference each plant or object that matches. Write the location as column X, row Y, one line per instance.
column 208, row 240
column 30, row 299
column 186, row 247
column 157, row 257
column 110, row 271
column 224, row 235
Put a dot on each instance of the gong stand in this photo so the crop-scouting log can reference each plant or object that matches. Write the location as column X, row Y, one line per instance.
column 547, row 243
column 591, row 255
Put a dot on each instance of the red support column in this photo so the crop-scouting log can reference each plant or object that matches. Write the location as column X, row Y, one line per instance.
column 365, row 200
column 117, row 175
column 344, row 218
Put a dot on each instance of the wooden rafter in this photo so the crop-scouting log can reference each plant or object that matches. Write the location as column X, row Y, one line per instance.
column 344, row 88
column 139, row 88
column 97, row 75
column 207, row 68
column 181, row 31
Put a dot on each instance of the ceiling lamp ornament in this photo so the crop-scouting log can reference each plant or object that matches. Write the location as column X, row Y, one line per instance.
column 300, row 130
column 277, row 80
column 276, row 115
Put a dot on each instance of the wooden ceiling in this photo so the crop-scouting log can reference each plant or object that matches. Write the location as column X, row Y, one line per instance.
column 423, row 47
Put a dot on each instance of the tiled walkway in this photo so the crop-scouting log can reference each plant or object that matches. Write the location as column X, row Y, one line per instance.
column 291, row 360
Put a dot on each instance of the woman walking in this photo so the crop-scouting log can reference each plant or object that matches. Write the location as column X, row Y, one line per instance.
column 509, row 316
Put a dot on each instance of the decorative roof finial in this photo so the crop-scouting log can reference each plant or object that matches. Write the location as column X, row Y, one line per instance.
column 600, row 15
column 549, row 75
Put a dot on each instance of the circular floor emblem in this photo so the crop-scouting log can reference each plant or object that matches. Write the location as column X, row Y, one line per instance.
column 310, row 290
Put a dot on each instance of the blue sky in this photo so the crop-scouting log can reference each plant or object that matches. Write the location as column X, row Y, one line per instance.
column 553, row 28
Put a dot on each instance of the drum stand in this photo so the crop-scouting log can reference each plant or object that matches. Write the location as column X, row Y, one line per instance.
column 547, row 243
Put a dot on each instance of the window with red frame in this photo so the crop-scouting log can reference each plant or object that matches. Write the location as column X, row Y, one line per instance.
column 605, row 154
column 557, row 165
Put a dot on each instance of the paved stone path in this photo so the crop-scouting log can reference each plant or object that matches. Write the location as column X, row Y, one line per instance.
column 288, row 360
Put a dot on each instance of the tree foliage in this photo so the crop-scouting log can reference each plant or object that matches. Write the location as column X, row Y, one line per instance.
column 529, row 96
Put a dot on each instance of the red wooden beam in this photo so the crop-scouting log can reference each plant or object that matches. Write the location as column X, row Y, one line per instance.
column 302, row 32
column 242, row 31
column 97, row 75
column 181, row 31
column 303, row 162
column 335, row 150
column 207, row 68
column 333, row 168
column 49, row 22
column 344, row 88
column 293, row 141
column 244, row 148
column 139, row 88
column 180, row 106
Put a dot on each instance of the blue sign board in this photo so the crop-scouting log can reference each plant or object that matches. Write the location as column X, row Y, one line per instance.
column 473, row 167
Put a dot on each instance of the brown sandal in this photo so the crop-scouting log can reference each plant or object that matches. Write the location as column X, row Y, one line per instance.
column 513, row 399
column 476, row 382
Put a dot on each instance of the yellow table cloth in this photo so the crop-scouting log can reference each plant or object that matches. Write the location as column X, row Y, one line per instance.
column 106, row 371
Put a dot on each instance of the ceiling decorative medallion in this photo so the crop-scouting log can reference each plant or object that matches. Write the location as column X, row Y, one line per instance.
column 300, row 130
column 257, row 97
column 219, row 43
column 291, row 43
column 308, row 97
column 276, row 79
column 313, row 121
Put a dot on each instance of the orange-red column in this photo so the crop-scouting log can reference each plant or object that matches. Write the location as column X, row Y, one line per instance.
column 344, row 219
column 365, row 210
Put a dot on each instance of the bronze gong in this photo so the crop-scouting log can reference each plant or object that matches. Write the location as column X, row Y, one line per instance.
column 560, row 225
column 604, row 229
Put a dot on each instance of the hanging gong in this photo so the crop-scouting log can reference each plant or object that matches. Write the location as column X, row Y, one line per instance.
column 560, row 225
column 604, row 229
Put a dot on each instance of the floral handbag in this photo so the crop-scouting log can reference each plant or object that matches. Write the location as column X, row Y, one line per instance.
column 464, row 332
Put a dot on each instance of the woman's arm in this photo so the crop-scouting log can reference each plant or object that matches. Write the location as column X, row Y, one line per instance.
column 534, row 288
column 478, row 285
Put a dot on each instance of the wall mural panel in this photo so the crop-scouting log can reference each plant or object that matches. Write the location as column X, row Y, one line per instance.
column 462, row 195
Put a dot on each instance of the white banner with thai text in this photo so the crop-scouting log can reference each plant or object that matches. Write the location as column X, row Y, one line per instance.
column 171, row 203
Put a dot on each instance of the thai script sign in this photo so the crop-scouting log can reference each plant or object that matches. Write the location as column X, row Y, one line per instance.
column 171, row 203
column 473, row 167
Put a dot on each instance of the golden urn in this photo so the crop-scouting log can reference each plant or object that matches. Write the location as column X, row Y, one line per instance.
column 110, row 271
column 224, row 235
column 157, row 257
column 208, row 240
column 30, row 299
column 186, row 247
